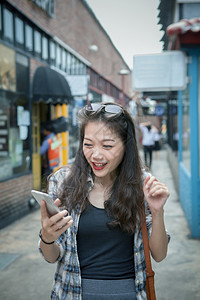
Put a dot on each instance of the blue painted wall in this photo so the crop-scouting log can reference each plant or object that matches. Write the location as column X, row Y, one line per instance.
column 189, row 182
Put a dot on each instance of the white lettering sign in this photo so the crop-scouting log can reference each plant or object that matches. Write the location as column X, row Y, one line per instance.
column 78, row 84
column 164, row 71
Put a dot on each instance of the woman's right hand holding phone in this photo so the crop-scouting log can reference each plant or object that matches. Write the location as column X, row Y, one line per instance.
column 54, row 226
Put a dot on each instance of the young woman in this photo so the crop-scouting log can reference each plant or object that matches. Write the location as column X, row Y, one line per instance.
column 98, row 246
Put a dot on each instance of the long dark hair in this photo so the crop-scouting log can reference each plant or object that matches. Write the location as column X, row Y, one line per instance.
column 126, row 198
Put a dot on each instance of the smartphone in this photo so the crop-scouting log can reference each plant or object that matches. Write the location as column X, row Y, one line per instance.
column 51, row 206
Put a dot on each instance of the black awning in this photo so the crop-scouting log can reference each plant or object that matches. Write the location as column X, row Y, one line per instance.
column 50, row 86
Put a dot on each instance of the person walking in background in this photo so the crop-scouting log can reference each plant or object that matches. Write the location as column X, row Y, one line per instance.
column 96, row 239
column 157, row 139
column 148, row 141
column 49, row 150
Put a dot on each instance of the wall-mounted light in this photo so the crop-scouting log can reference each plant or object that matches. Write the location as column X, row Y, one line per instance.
column 123, row 71
column 93, row 48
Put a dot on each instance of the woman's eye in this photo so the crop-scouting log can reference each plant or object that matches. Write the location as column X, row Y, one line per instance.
column 87, row 145
column 107, row 146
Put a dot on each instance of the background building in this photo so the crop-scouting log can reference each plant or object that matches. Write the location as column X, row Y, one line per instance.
column 181, row 22
column 54, row 56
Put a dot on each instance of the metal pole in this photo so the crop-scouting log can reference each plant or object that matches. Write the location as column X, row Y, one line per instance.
column 123, row 89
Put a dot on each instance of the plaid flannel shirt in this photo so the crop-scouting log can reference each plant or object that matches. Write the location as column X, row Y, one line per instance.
column 67, row 279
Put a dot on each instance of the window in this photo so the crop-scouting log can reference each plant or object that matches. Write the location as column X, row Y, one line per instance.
column 72, row 65
column 8, row 25
column 52, row 53
column 190, row 10
column 28, row 38
column 45, row 55
column 68, row 63
column 14, row 135
column 37, row 43
column 76, row 66
column 58, row 56
column 19, row 31
column 82, row 68
column 22, row 69
column 7, row 69
column 64, row 60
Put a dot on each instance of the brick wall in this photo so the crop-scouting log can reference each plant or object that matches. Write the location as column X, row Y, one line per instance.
column 34, row 64
column 14, row 195
column 75, row 25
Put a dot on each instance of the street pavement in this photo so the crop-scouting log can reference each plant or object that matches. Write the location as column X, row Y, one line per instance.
column 26, row 276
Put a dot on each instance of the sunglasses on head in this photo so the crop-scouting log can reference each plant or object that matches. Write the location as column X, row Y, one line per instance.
column 109, row 108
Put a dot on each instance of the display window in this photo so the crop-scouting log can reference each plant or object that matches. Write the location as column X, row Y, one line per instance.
column 14, row 135
column 14, row 114
column 7, row 69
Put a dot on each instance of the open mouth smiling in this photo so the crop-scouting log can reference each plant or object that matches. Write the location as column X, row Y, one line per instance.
column 99, row 166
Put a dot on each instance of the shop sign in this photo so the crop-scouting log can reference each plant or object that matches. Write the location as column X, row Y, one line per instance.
column 159, row 110
column 78, row 84
column 166, row 71
column 46, row 5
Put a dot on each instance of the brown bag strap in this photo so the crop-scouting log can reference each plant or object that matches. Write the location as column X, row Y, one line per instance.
column 149, row 272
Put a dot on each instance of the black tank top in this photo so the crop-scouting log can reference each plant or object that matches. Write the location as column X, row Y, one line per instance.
column 103, row 253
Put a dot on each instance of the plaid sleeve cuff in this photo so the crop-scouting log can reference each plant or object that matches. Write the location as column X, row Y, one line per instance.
column 60, row 255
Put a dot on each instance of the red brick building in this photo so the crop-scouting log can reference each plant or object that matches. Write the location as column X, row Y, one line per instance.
column 64, row 38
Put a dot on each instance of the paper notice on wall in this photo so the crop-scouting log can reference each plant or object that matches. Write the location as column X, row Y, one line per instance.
column 23, row 116
column 19, row 148
column 26, row 118
column 23, row 132
column 20, row 110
